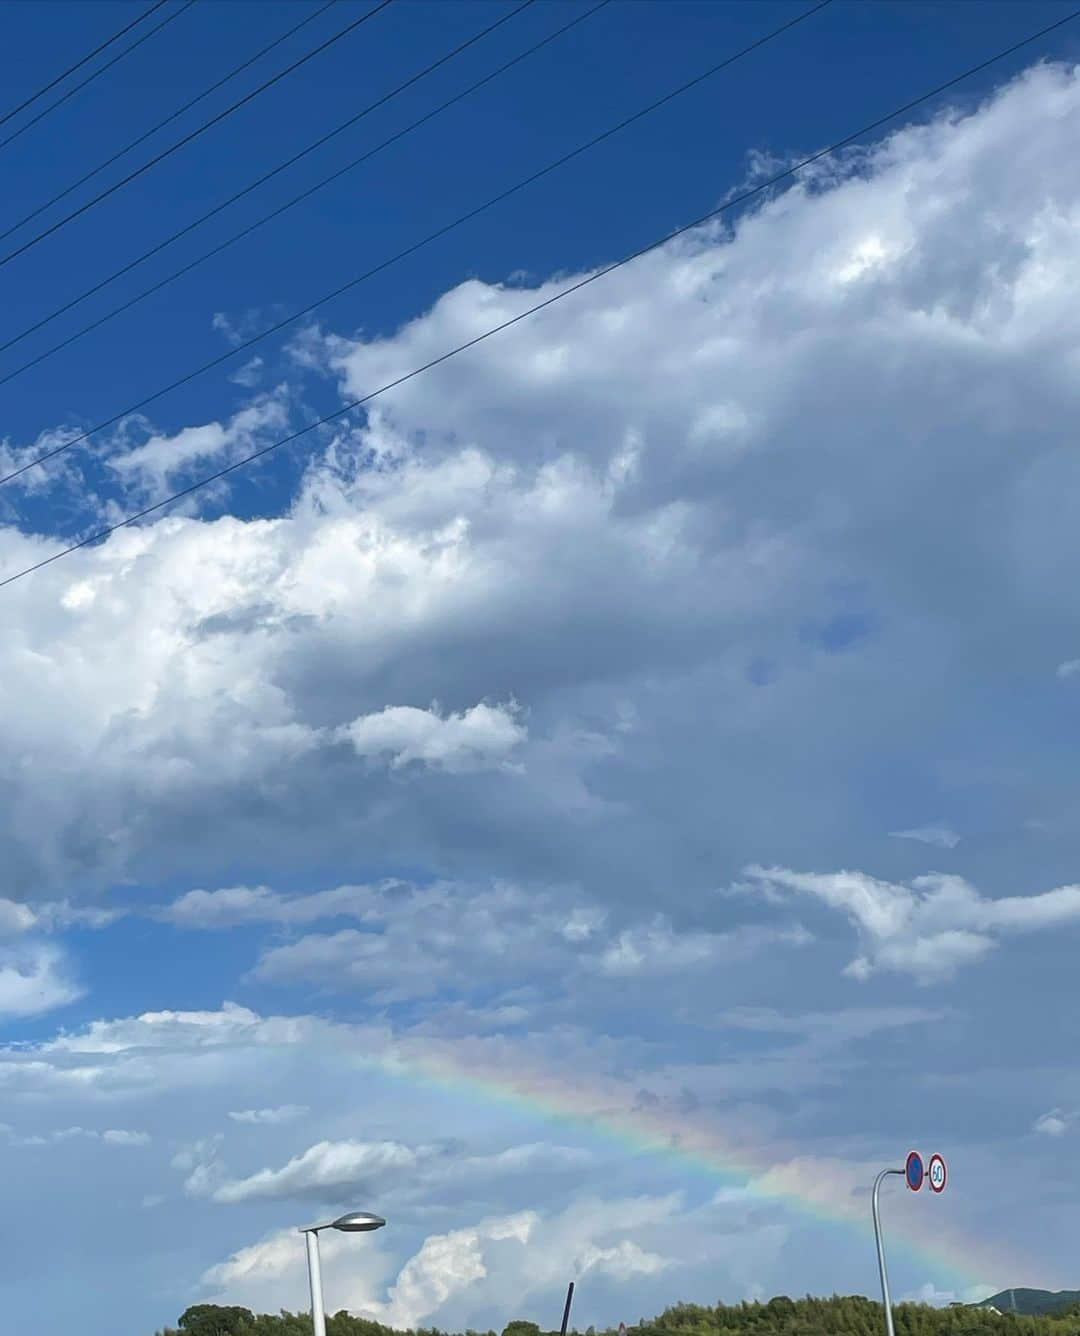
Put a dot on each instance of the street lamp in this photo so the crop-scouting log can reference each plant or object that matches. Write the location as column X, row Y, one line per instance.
column 355, row 1222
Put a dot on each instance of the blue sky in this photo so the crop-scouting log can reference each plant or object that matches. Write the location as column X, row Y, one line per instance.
column 654, row 727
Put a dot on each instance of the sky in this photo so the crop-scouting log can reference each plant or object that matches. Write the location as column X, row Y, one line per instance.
column 603, row 800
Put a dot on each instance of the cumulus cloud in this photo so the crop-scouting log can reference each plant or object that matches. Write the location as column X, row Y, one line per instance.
column 478, row 738
column 671, row 519
column 928, row 927
column 624, row 1260
column 329, row 1169
column 325, row 1169
column 271, row 1274
column 183, row 1069
column 655, row 516
column 494, row 1262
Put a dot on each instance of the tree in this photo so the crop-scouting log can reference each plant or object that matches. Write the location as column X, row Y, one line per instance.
column 520, row 1328
column 212, row 1320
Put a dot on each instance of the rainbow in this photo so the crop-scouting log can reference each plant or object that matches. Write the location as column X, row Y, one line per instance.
column 768, row 1172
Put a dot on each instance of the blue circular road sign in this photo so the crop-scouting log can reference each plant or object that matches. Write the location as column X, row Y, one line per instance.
column 913, row 1171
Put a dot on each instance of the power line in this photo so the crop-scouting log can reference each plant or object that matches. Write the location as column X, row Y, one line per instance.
column 786, row 174
column 232, row 199
column 283, row 208
column 418, row 245
column 77, row 88
column 26, row 102
column 191, row 135
column 108, row 162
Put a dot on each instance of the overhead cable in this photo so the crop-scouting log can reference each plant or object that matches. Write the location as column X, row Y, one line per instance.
column 190, row 136
column 409, row 250
column 261, row 180
column 46, row 88
column 77, row 88
column 160, row 125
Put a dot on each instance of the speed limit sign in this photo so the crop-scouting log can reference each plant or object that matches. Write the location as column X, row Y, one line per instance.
column 937, row 1173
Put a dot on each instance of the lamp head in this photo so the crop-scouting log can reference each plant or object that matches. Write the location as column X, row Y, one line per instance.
column 356, row 1222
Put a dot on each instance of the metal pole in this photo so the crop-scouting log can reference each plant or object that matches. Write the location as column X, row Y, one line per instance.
column 566, row 1310
column 889, row 1331
column 318, row 1312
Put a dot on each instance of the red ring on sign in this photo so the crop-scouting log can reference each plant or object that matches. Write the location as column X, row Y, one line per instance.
column 935, row 1161
column 913, row 1170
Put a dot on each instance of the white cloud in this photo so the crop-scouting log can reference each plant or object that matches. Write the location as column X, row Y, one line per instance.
column 931, row 1294
column 110, row 1137
column 672, row 517
column 653, row 516
column 928, row 927
column 1055, row 1123
column 1070, row 668
column 445, row 1265
column 236, row 905
column 499, row 1263
column 939, row 836
column 153, row 467
column 35, row 978
column 283, row 1113
column 15, row 919
column 272, row 1274
column 495, row 1263
column 326, row 1169
column 624, row 1260
column 329, row 1169
column 161, row 1029
column 481, row 737
column 419, row 940
column 115, row 1136
column 655, row 948
column 249, row 374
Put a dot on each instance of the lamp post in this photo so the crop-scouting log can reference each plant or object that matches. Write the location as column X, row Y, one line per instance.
column 881, row 1248
column 356, row 1222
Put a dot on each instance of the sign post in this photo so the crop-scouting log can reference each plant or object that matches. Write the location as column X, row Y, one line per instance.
column 914, row 1175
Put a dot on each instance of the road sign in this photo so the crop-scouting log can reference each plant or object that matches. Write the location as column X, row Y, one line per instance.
column 937, row 1174
column 913, row 1171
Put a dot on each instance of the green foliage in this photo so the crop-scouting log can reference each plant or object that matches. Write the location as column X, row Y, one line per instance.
column 842, row 1315
column 520, row 1328
column 211, row 1320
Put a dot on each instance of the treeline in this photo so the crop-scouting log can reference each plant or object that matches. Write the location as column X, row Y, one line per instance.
column 850, row 1315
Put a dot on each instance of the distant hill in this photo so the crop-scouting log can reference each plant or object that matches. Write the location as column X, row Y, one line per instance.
column 1030, row 1302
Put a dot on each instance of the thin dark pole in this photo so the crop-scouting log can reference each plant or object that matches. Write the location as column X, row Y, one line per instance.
column 566, row 1310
